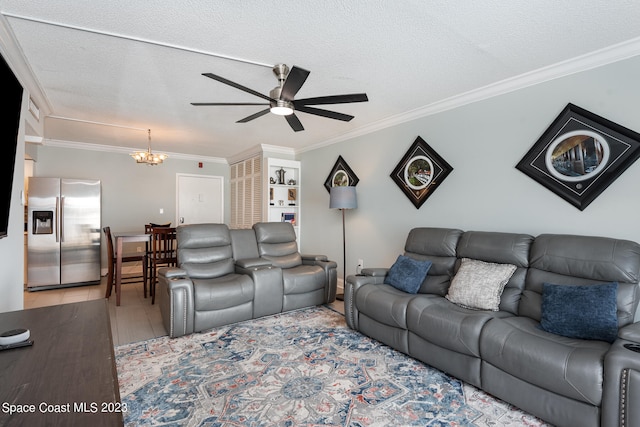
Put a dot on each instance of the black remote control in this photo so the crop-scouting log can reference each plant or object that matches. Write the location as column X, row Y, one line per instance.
column 16, row 345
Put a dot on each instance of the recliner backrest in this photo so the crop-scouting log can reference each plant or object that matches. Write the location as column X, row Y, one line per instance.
column 277, row 243
column 243, row 242
column 582, row 260
column 500, row 248
column 204, row 250
column 437, row 245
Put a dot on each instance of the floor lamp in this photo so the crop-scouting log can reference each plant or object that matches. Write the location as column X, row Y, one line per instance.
column 343, row 198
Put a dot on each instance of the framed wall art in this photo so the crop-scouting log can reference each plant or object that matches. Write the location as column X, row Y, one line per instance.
column 292, row 196
column 580, row 155
column 420, row 172
column 341, row 175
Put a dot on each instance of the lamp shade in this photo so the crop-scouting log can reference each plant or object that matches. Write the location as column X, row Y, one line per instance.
column 343, row 198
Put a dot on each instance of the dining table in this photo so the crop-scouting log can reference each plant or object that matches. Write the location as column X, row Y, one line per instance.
column 121, row 238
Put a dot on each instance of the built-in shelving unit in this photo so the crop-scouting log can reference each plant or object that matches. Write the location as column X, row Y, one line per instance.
column 265, row 189
column 283, row 192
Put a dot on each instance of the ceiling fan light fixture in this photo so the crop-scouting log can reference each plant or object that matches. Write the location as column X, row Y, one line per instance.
column 282, row 111
column 282, row 100
column 282, row 108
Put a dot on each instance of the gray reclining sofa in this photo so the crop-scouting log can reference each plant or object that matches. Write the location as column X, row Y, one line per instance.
column 564, row 377
column 226, row 276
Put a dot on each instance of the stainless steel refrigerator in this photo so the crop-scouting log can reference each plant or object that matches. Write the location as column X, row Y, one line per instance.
column 63, row 227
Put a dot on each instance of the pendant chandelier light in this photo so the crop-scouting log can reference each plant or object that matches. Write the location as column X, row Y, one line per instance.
column 147, row 157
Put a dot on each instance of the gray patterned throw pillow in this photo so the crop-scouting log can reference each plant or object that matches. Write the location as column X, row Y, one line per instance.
column 479, row 284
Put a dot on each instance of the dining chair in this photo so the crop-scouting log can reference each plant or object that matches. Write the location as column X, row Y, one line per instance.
column 126, row 257
column 147, row 246
column 163, row 253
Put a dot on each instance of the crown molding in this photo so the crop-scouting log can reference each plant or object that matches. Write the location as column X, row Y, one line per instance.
column 277, row 149
column 246, row 154
column 259, row 150
column 595, row 59
column 125, row 150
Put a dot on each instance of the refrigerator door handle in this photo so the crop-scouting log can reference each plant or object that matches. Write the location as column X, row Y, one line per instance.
column 57, row 222
column 61, row 216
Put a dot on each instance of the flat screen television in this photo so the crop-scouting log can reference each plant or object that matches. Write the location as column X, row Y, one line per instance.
column 11, row 100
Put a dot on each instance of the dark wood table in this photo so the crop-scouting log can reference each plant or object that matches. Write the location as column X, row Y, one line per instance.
column 68, row 377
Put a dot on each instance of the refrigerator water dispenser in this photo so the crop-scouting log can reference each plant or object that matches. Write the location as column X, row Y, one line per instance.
column 42, row 222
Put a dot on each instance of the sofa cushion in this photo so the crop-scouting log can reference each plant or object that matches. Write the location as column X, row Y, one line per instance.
column 204, row 250
column 501, row 248
column 384, row 303
column 222, row 292
column 208, row 270
column 303, row 279
column 437, row 245
column 478, row 284
column 586, row 312
column 447, row 325
column 567, row 366
column 277, row 243
column 407, row 274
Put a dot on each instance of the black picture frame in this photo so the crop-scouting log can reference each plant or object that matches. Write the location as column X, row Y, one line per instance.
column 433, row 170
column 580, row 155
column 341, row 175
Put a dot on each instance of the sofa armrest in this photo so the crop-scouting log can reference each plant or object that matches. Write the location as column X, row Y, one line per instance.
column 176, row 300
column 253, row 263
column 351, row 289
column 374, row 272
column 331, row 273
column 171, row 272
column 621, row 387
column 268, row 285
column 308, row 257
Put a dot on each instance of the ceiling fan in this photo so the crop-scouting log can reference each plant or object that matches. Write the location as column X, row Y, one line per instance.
column 281, row 98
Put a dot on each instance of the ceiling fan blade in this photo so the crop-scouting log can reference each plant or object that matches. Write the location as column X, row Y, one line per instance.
column 333, row 99
column 294, row 122
column 324, row 113
column 295, row 80
column 198, row 104
column 254, row 116
column 237, row 86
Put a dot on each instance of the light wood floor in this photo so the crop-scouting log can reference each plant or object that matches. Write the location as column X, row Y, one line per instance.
column 134, row 320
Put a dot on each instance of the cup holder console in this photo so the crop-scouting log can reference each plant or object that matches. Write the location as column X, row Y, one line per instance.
column 633, row 347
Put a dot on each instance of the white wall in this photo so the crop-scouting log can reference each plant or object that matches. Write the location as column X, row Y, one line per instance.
column 12, row 246
column 132, row 194
column 483, row 142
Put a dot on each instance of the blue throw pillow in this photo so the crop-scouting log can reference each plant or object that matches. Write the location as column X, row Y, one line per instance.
column 407, row 274
column 581, row 311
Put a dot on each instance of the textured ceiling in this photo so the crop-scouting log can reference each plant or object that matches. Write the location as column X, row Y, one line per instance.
column 105, row 71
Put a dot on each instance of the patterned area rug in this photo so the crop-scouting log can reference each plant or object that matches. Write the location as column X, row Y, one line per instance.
column 302, row 368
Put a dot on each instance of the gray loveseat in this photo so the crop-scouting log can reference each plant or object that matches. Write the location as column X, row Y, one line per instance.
column 562, row 379
column 226, row 276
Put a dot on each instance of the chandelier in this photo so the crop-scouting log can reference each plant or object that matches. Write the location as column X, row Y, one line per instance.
column 148, row 157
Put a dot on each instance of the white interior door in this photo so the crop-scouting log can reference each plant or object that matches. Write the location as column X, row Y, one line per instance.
column 200, row 199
